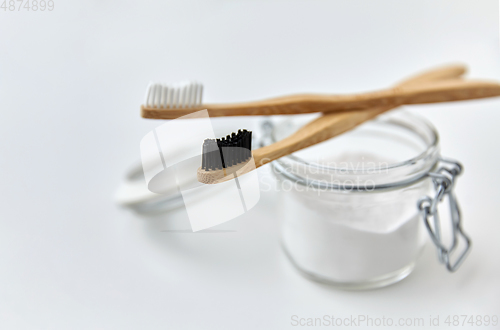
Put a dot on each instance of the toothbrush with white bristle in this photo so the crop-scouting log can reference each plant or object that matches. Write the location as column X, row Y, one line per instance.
column 174, row 101
column 184, row 95
column 228, row 157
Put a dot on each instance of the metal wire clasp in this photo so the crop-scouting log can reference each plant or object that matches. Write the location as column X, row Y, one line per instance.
column 444, row 180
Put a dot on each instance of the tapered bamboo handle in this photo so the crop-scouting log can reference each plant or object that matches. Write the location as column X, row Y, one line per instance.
column 447, row 72
column 319, row 130
column 328, row 126
column 333, row 124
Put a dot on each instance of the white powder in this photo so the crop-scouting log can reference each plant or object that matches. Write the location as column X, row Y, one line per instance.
column 353, row 237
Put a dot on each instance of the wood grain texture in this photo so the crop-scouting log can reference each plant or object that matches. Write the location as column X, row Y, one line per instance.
column 325, row 127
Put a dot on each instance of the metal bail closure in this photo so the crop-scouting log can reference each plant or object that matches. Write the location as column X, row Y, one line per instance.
column 444, row 180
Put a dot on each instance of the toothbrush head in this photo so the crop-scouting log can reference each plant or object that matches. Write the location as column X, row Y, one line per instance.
column 186, row 94
column 224, row 156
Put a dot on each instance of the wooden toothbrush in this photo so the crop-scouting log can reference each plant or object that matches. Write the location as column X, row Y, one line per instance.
column 170, row 102
column 321, row 129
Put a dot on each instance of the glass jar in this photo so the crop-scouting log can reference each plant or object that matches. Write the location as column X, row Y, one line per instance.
column 349, row 204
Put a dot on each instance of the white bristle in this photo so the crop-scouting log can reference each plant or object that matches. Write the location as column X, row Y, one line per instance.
column 192, row 99
column 183, row 95
column 151, row 97
column 175, row 100
column 170, row 98
column 163, row 96
column 189, row 91
column 200, row 94
column 148, row 91
column 158, row 95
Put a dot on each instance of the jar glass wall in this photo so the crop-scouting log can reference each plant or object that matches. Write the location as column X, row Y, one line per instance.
column 349, row 204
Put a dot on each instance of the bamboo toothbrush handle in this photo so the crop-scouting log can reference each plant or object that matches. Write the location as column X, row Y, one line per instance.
column 447, row 72
column 319, row 130
column 333, row 124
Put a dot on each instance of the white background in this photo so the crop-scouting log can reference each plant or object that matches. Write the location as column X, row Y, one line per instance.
column 71, row 82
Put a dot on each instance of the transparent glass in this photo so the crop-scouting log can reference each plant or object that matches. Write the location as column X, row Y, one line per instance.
column 349, row 204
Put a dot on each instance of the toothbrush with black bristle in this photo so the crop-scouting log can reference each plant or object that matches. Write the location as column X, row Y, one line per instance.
column 224, row 156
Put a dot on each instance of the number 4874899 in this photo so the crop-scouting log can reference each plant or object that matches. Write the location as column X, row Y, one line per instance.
column 27, row 5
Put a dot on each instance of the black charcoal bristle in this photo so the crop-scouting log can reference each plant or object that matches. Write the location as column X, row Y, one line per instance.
column 227, row 151
column 211, row 155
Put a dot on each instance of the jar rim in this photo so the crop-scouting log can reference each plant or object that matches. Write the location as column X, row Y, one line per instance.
column 415, row 167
